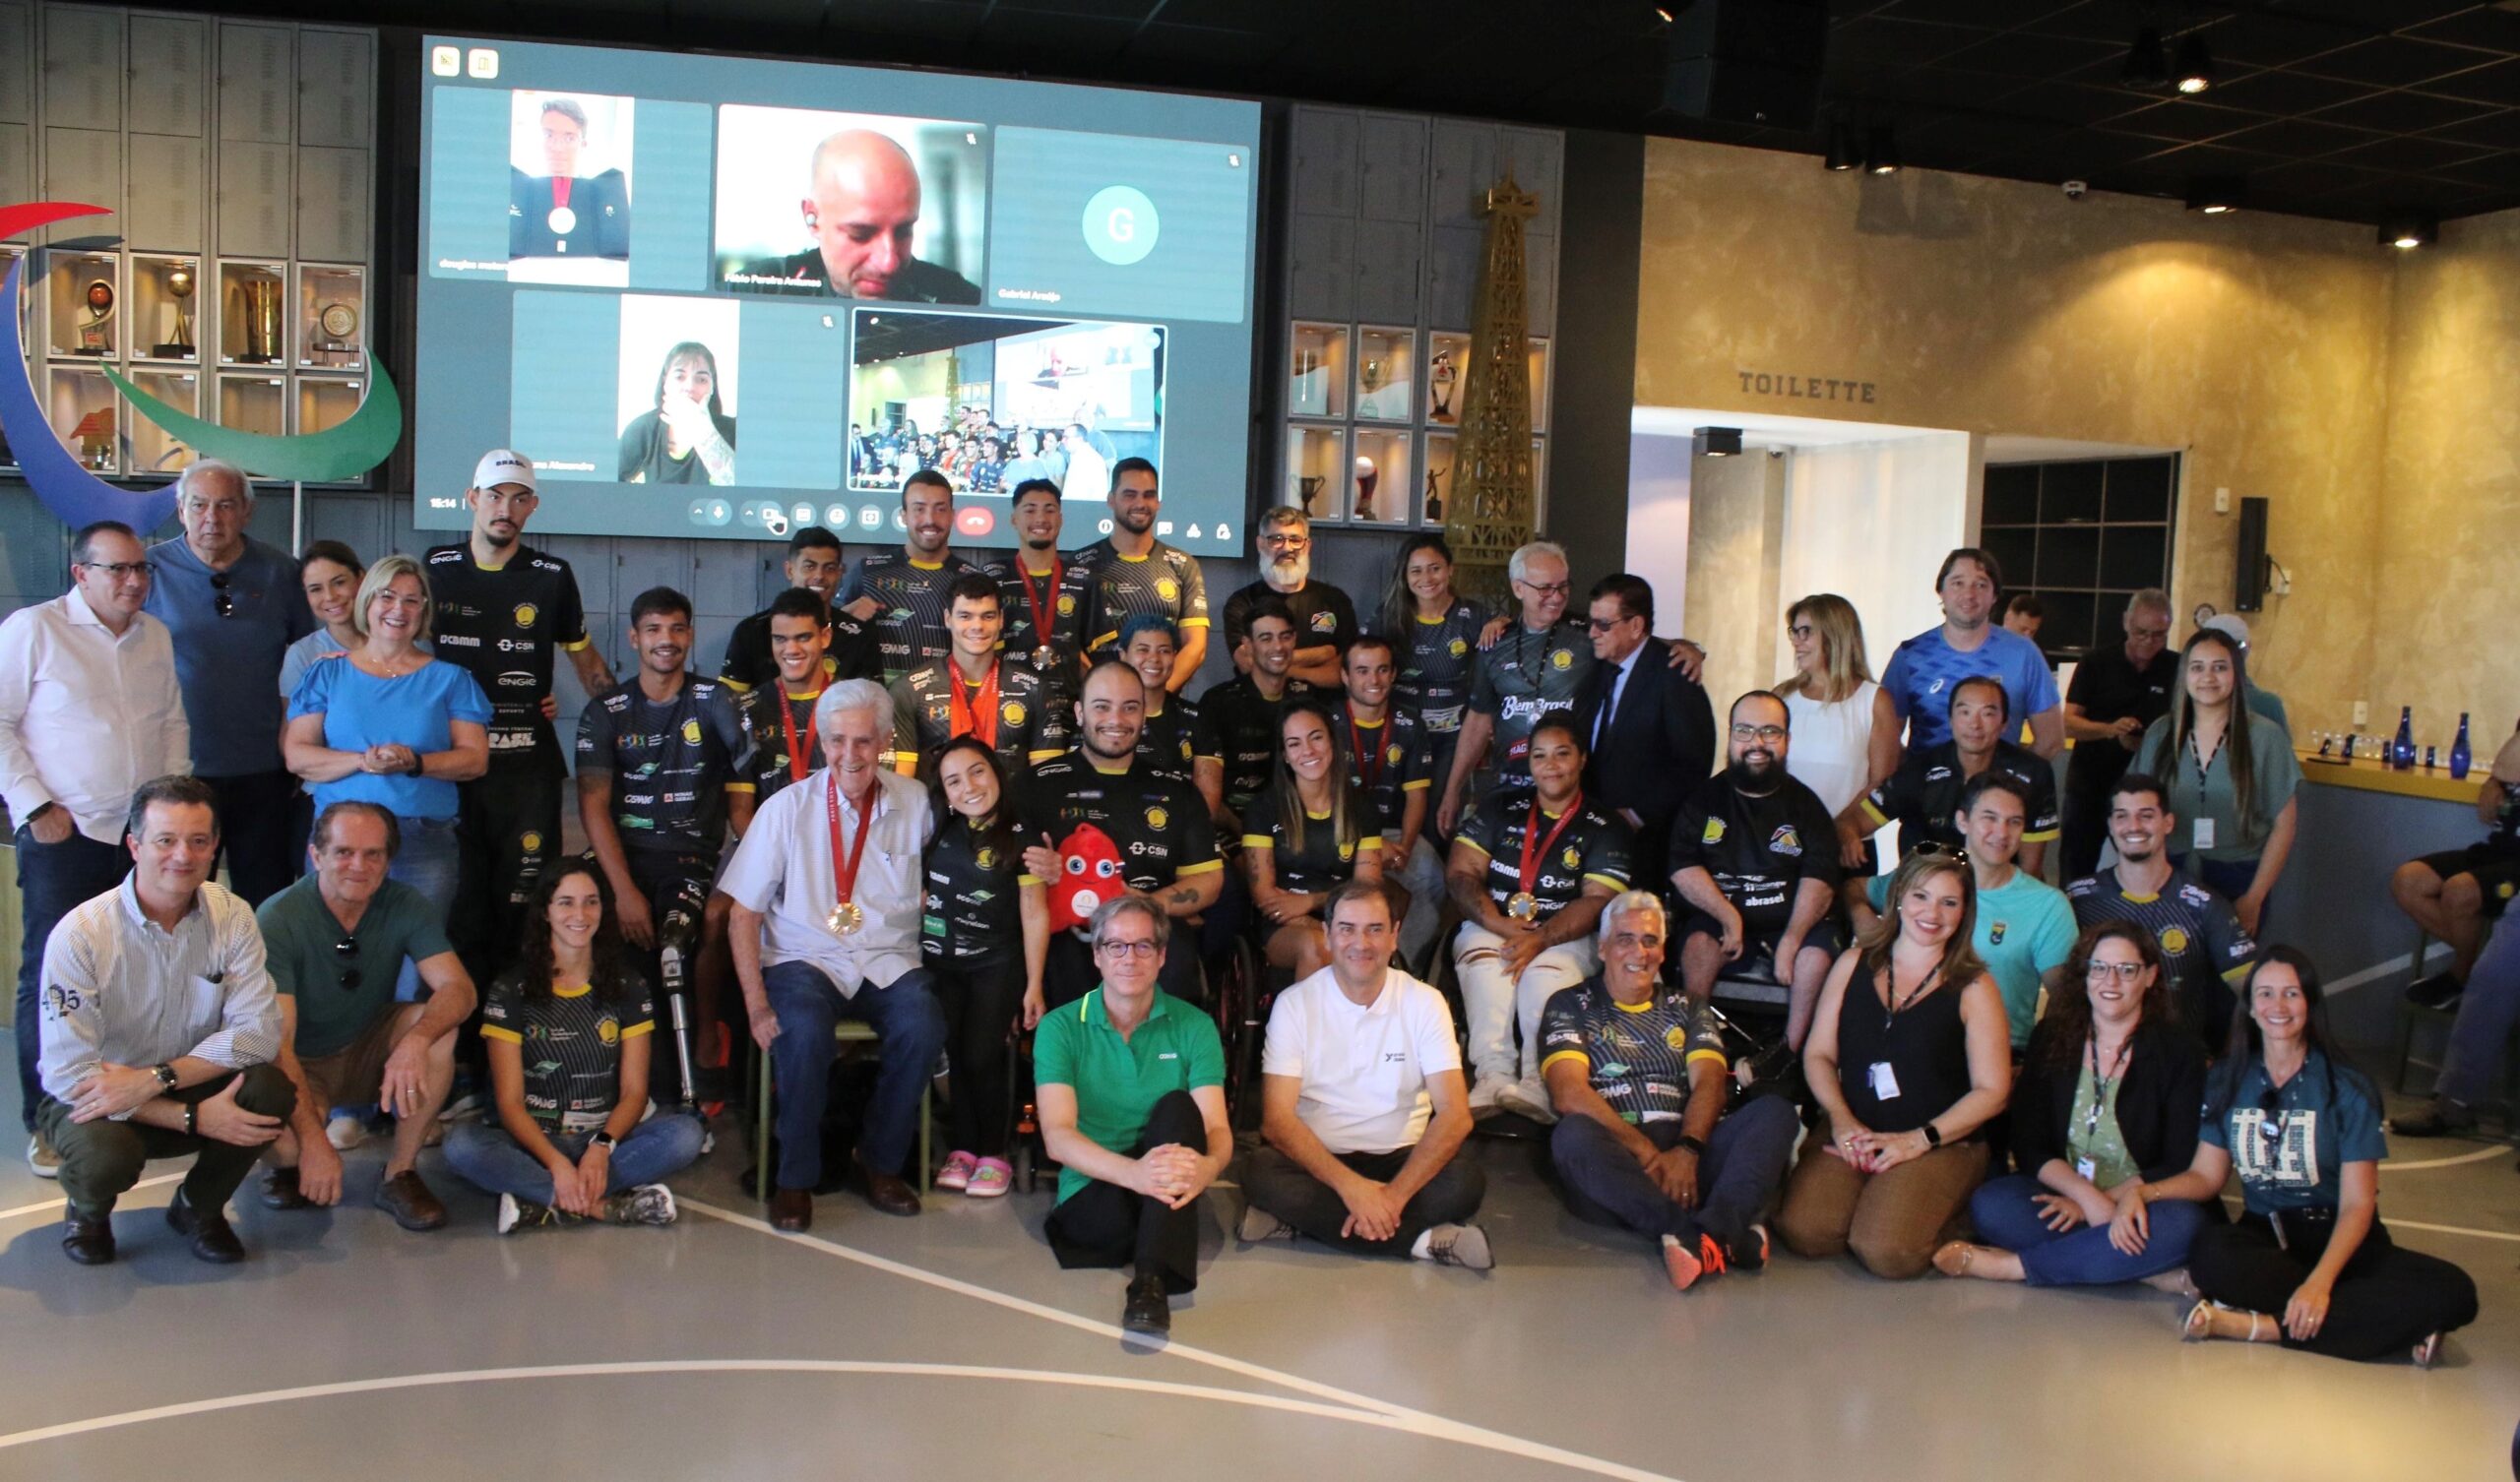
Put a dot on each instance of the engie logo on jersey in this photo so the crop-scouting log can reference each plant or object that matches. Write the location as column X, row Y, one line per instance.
column 525, row 613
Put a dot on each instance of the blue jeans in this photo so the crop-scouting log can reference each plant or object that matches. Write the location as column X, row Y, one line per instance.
column 427, row 862
column 2005, row 1215
column 488, row 1159
column 1743, row 1166
column 51, row 879
column 909, row 1028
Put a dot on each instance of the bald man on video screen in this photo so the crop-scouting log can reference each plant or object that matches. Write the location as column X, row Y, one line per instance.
column 861, row 211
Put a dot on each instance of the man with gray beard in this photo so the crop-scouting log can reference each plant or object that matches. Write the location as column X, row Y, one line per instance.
column 1325, row 619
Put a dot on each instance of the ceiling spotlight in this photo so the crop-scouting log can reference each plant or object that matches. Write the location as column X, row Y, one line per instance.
column 2410, row 231
column 1666, row 13
column 2195, row 70
column 2147, row 65
column 1842, row 154
column 1880, row 150
column 1716, row 441
column 2213, row 195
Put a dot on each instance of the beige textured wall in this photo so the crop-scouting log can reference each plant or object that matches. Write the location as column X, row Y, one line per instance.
column 2449, row 492
column 2257, row 344
column 1736, row 518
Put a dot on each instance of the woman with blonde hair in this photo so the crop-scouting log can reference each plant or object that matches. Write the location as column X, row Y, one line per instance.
column 1832, row 697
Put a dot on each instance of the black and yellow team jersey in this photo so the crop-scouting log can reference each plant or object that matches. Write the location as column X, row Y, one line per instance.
column 1065, row 597
column 1239, row 729
column 771, row 764
column 1010, row 710
column 1637, row 1057
column 1168, row 741
column 1523, row 680
column 1156, row 824
column 1757, row 847
column 673, row 764
column 974, row 913
column 1438, row 658
column 1164, row 580
column 1390, row 759
column 909, row 623
column 1924, row 794
column 571, row 1041
column 2204, row 948
column 1592, row 845
column 1315, row 861
column 502, row 625
column 749, row 663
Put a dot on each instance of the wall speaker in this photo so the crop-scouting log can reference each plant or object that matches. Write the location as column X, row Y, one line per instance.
column 1748, row 62
column 2249, row 584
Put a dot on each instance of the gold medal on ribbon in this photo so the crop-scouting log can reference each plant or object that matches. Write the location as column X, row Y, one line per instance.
column 1523, row 905
column 844, row 918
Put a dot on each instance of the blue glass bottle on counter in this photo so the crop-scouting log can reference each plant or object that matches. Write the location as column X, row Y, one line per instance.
column 2461, row 759
column 2401, row 750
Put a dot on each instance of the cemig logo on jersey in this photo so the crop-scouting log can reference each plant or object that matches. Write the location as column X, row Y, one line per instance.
column 608, row 1029
column 525, row 613
column 1574, row 860
column 1561, row 659
column 1067, row 604
column 1677, row 1036
column 691, row 731
column 1391, row 754
column 1713, row 833
column 1157, row 817
column 1458, row 646
column 1012, row 712
column 2173, row 941
column 1167, row 589
column 1786, row 840
column 986, row 858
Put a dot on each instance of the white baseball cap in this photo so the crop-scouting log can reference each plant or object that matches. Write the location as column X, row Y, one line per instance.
column 504, row 466
column 2231, row 626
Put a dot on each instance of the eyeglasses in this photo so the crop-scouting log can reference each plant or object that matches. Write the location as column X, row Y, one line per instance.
column 1934, row 848
column 118, row 569
column 1287, row 542
column 2124, row 972
column 1549, row 590
column 1605, row 625
column 1128, row 950
column 2150, row 635
column 1771, row 734
column 220, row 592
column 1800, row 631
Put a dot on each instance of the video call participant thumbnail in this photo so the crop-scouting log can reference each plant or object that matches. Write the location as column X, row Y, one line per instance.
column 860, row 207
column 685, row 436
column 564, row 214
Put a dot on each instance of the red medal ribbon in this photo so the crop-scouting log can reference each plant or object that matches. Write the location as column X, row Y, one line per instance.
column 844, row 872
column 1529, row 873
column 800, row 758
column 1040, row 605
column 560, row 192
column 974, row 714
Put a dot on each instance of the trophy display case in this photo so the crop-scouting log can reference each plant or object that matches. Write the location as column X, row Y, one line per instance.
column 326, row 401
column 85, row 413
column 253, row 315
column 1317, row 370
column 1447, row 375
column 147, row 447
column 1436, row 498
column 1317, row 471
column 9, row 257
column 252, row 403
column 166, row 309
column 1386, row 374
column 83, row 303
column 1381, row 485
column 331, row 317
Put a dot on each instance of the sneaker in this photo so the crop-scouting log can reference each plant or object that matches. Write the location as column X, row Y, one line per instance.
column 1464, row 1246
column 646, row 1204
column 346, row 1132
column 2438, row 992
column 1527, row 1097
column 1686, row 1266
column 1483, row 1093
column 2444, row 1118
column 1259, row 1224
column 956, row 1175
column 517, row 1214
column 41, row 1159
column 992, row 1179
column 1748, row 1254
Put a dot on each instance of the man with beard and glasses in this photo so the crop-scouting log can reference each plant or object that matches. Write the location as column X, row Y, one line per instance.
column 1754, row 857
column 2206, row 954
column 813, row 564
column 975, row 691
column 1130, row 572
column 899, row 595
column 657, row 758
column 1916, row 686
column 1324, row 618
column 1115, row 823
column 1540, row 667
column 1045, row 595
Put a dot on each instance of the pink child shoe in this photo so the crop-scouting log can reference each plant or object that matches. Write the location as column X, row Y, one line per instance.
column 992, row 1179
column 957, row 1172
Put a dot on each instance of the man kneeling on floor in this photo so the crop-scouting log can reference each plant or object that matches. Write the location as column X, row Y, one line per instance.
column 337, row 942
column 158, row 1029
column 1631, row 1147
column 1130, row 1067
column 1365, row 1106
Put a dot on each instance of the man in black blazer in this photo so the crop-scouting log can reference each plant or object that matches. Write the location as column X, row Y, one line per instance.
column 1650, row 726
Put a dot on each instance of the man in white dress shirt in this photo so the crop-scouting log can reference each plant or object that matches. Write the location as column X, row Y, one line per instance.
column 88, row 710
column 827, row 893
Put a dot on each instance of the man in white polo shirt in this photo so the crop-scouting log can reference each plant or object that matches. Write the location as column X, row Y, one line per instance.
column 1365, row 1106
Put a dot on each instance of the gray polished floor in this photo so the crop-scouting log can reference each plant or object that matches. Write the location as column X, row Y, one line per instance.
column 951, row 1346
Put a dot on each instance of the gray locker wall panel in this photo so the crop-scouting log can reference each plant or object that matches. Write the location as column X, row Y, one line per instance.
column 84, row 164
column 637, row 566
column 16, row 165
column 1540, row 282
column 358, row 522
column 1391, row 168
column 82, row 67
column 35, row 550
column 1321, row 267
column 1536, row 157
column 1387, row 271
column 1465, row 166
column 169, row 75
column 17, row 64
column 1324, row 168
column 335, row 87
column 333, row 189
column 1452, row 277
column 726, row 579
column 256, row 96
column 269, row 522
column 254, row 198
column 166, row 207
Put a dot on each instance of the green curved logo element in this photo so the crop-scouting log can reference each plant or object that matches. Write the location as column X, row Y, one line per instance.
column 363, row 441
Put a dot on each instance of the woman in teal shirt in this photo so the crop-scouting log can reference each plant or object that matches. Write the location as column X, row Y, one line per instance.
column 2232, row 779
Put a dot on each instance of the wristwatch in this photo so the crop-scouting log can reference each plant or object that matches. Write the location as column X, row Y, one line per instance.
column 1933, row 1136
column 604, row 1139
column 165, row 1074
column 1694, row 1144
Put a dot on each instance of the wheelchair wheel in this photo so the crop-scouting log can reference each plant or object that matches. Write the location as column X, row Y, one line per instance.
column 1028, row 1172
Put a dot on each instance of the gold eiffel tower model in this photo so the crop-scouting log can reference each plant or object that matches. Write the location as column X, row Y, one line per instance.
column 1491, row 509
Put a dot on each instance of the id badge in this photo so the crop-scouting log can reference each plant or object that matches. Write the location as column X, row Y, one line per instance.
column 2204, row 836
column 2085, row 1168
column 1885, row 1081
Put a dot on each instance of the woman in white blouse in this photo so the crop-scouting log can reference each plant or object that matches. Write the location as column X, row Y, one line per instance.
column 1831, row 696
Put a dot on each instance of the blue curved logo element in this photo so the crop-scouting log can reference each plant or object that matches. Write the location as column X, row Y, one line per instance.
column 78, row 497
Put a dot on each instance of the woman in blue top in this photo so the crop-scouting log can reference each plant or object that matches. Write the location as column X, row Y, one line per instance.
column 2308, row 1264
column 385, row 724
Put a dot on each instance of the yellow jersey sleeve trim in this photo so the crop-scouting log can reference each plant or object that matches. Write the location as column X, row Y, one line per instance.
column 743, row 787
column 2230, row 975
column 498, row 1031
column 635, row 1030
column 1196, row 622
column 736, row 685
column 1369, row 841
column 580, row 643
column 1577, row 1056
column 1201, row 869
column 1880, row 820
column 1043, row 756
column 1612, row 880
column 1420, row 783
column 2041, row 836
column 1471, row 845
column 1029, row 880
column 1694, row 1056
column 1259, row 841
column 1100, row 639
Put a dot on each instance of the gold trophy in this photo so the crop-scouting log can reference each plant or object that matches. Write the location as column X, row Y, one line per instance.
column 260, row 297
column 179, row 288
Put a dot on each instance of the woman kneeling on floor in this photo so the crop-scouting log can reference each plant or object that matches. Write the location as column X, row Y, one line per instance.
column 569, row 1139
column 2308, row 1264
column 1910, row 1055
column 2106, row 1099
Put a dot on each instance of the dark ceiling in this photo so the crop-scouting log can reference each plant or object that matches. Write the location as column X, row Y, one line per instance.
column 2352, row 109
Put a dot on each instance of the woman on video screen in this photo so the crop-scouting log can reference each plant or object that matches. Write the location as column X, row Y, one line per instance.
column 686, row 439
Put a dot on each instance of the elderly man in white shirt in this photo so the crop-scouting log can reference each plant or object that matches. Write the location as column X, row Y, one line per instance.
column 1364, row 1107
column 160, row 1029
column 827, row 895
column 88, row 710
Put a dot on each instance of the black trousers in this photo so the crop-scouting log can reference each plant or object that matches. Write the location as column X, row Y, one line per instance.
column 507, row 832
column 669, row 880
column 1070, row 974
column 101, row 1159
column 981, row 1001
column 2085, row 826
column 2386, row 1300
column 258, row 832
column 1106, row 1225
column 1277, row 1183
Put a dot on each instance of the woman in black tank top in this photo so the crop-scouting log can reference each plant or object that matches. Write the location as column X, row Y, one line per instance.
column 1908, row 1057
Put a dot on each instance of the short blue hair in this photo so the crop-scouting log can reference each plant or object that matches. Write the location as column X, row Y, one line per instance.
column 1150, row 622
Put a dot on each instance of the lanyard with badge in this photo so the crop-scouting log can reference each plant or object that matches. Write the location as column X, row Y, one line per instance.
column 2087, row 1165
column 1883, row 1077
column 2201, row 828
column 847, row 915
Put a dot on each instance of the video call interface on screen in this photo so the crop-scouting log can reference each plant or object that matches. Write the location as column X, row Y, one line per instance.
column 717, row 297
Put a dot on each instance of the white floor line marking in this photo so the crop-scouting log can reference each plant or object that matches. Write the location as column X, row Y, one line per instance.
column 55, row 1204
column 2409, row 1224
column 1420, row 1422
column 1404, row 1422
column 2378, row 970
column 2478, row 1157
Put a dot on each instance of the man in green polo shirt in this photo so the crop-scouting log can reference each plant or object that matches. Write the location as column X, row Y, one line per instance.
column 1130, row 1067
column 338, row 941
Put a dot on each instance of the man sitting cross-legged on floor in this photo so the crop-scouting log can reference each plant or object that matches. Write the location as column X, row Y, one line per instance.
column 1365, row 1106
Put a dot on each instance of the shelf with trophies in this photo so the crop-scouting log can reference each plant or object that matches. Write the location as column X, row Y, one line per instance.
column 253, row 401
column 1381, row 487
column 147, row 448
column 1447, row 369
column 83, row 294
column 84, row 410
column 324, row 403
column 1317, row 370
column 1436, row 495
column 253, row 314
column 166, row 304
column 331, row 317
column 1317, row 471
column 1384, row 374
